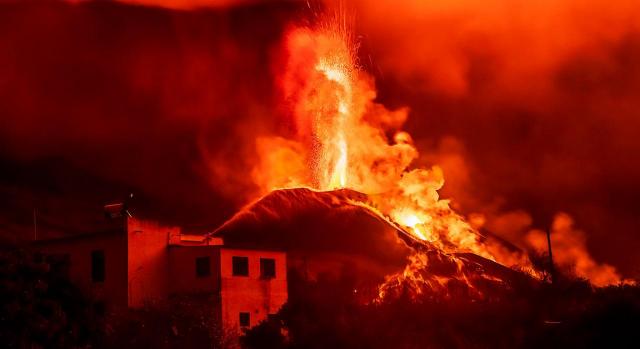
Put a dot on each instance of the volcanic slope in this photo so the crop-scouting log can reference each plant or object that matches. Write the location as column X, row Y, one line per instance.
column 324, row 231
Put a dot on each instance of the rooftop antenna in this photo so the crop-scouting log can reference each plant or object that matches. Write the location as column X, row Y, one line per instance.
column 126, row 209
column 119, row 209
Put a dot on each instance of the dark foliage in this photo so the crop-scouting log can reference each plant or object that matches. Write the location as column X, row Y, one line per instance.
column 39, row 307
column 181, row 322
column 329, row 313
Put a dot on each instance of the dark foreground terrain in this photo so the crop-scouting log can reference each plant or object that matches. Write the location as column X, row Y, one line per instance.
column 40, row 309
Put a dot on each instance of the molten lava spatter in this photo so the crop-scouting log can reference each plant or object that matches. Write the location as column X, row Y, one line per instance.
column 336, row 151
column 321, row 230
column 340, row 141
column 341, row 136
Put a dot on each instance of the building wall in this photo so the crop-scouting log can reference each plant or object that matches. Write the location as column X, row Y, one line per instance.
column 112, row 291
column 143, row 269
column 182, row 270
column 251, row 294
column 148, row 264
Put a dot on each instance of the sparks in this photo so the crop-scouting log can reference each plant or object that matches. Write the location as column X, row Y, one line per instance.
column 334, row 110
column 338, row 148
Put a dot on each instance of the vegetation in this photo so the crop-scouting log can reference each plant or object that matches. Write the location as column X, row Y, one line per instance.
column 570, row 314
column 39, row 307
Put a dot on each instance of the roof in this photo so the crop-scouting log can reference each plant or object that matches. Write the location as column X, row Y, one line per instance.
column 195, row 240
column 101, row 233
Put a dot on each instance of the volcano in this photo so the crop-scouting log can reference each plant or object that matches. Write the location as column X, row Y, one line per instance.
column 324, row 231
column 330, row 227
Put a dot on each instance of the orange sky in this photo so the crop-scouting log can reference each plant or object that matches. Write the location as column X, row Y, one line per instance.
column 531, row 108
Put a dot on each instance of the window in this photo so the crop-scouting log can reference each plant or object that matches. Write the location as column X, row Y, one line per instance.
column 240, row 266
column 97, row 266
column 203, row 266
column 245, row 319
column 267, row 268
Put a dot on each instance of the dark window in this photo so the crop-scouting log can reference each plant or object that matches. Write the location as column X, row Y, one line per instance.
column 267, row 268
column 245, row 319
column 97, row 266
column 203, row 266
column 240, row 266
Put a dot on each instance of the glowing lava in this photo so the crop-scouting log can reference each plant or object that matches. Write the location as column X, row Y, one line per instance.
column 338, row 145
column 340, row 141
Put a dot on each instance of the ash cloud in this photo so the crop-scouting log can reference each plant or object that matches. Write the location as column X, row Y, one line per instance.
column 531, row 107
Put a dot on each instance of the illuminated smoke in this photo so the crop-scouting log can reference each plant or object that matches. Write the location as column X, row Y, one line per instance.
column 570, row 252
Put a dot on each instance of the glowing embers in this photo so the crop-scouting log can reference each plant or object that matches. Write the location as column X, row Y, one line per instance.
column 342, row 133
column 341, row 139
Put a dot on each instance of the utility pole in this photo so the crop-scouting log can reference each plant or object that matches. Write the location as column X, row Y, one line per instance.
column 35, row 225
column 551, row 269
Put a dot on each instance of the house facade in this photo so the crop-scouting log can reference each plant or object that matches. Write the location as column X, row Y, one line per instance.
column 139, row 264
